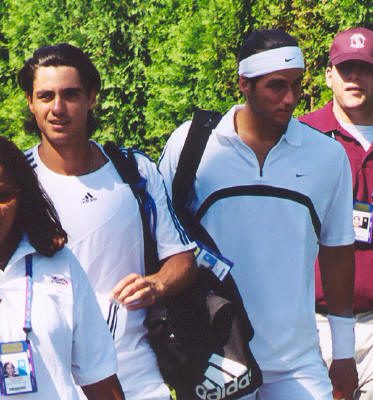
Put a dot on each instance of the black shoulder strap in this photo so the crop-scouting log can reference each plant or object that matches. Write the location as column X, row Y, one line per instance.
column 126, row 166
column 203, row 123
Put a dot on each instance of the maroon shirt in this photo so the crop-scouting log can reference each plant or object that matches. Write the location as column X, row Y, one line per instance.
column 362, row 175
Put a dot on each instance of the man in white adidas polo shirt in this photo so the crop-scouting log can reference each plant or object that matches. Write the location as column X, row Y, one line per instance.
column 100, row 213
column 278, row 210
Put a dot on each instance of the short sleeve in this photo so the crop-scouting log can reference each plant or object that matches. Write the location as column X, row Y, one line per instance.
column 93, row 354
column 170, row 235
column 337, row 228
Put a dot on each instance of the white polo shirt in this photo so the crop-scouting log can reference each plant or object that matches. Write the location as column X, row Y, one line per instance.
column 69, row 338
column 269, row 223
column 103, row 222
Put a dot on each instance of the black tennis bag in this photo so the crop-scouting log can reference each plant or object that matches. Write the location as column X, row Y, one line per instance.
column 201, row 336
column 203, row 352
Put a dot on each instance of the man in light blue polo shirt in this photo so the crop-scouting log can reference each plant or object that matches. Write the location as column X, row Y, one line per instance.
column 277, row 212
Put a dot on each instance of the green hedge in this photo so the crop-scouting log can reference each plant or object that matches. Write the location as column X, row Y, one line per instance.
column 161, row 59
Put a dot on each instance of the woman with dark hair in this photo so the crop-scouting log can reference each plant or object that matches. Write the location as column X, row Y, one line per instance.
column 48, row 310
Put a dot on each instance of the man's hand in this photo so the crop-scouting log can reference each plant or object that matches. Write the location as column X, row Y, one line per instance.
column 135, row 291
column 343, row 376
column 177, row 272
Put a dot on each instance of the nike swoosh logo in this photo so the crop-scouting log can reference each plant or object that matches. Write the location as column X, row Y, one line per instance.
column 289, row 59
column 300, row 175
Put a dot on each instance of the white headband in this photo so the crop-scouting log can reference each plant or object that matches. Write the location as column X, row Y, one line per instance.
column 272, row 60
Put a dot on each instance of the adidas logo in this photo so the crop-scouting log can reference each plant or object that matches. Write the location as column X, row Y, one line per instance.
column 88, row 198
column 224, row 377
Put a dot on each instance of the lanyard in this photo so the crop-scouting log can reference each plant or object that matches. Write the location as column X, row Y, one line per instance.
column 28, row 268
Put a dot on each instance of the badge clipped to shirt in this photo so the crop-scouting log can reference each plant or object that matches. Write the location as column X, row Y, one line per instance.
column 362, row 219
column 207, row 258
column 16, row 368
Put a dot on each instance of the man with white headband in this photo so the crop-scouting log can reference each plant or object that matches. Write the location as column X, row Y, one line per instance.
column 271, row 210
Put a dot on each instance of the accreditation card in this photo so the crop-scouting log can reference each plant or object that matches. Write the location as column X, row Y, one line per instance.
column 17, row 373
column 362, row 219
column 208, row 258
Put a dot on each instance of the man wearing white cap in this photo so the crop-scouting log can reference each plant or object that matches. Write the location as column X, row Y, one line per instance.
column 271, row 208
column 349, row 119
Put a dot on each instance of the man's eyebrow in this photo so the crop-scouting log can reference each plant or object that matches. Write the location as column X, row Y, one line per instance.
column 43, row 91
column 67, row 89
column 277, row 80
column 72, row 89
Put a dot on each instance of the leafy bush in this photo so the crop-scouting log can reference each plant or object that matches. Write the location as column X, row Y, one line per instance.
column 161, row 59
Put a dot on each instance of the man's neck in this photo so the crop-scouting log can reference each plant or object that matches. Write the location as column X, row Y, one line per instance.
column 257, row 133
column 71, row 159
column 356, row 116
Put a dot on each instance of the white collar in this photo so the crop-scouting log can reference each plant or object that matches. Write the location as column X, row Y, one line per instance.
column 24, row 248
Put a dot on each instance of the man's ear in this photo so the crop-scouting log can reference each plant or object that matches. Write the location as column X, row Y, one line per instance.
column 92, row 99
column 30, row 104
column 328, row 76
column 245, row 85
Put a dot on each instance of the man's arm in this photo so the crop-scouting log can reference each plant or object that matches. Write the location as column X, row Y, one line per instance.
column 177, row 273
column 337, row 268
column 108, row 389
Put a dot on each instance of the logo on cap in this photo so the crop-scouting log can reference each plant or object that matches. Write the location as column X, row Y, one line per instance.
column 357, row 41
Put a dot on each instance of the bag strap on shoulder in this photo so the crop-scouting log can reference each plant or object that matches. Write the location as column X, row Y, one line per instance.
column 127, row 168
column 199, row 132
column 204, row 121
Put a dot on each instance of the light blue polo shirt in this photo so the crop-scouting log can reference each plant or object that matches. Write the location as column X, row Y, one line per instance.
column 269, row 222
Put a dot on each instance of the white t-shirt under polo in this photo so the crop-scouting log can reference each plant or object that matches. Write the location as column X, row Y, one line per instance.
column 103, row 222
column 269, row 223
column 69, row 338
column 362, row 133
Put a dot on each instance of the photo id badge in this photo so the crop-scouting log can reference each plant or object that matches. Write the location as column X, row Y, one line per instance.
column 362, row 219
column 207, row 258
column 16, row 368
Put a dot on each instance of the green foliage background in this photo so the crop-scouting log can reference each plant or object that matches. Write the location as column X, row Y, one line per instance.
column 161, row 59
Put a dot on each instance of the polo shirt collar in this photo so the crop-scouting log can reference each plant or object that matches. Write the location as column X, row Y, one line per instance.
column 326, row 120
column 24, row 248
column 332, row 124
column 293, row 133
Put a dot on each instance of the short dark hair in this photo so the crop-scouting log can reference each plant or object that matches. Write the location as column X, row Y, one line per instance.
column 36, row 215
column 265, row 39
column 62, row 54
